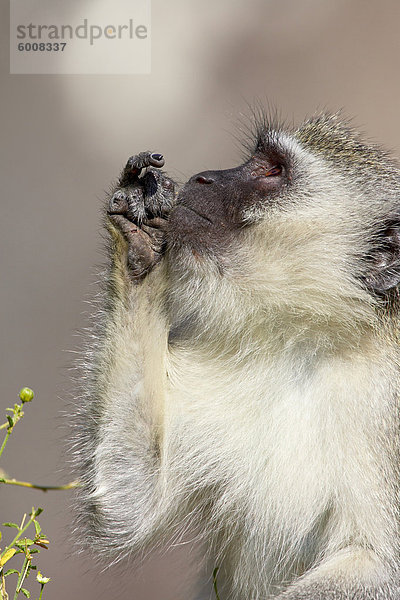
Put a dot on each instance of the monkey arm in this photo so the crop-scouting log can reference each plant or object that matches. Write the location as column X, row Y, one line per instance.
column 354, row 573
column 120, row 422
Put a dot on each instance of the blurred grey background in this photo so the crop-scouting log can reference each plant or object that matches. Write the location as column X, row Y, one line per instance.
column 64, row 138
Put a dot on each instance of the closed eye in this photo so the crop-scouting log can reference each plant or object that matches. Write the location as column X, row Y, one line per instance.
column 274, row 171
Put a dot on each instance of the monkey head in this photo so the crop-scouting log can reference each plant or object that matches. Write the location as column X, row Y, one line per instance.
column 308, row 225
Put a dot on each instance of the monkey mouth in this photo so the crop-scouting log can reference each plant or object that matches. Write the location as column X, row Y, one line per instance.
column 194, row 211
column 190, row 229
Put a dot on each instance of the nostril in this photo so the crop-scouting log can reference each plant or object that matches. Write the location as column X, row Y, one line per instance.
column 202, row 179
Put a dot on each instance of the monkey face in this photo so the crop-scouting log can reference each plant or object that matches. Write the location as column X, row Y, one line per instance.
column 213, row 206
column 303, row 227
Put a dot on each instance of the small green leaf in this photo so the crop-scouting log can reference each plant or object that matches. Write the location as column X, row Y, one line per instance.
column 37, row 527
column 10, row 572
column 34, row 551
column 35, row 513
column 9, row 524
column 26, row 592
column 10, row 421
column 6, row 556
column 24, row 542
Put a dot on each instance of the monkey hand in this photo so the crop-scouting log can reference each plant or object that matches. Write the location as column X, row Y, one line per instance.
column 137, row 211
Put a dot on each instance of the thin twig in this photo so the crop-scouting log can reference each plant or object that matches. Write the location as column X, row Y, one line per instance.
column 44, row 488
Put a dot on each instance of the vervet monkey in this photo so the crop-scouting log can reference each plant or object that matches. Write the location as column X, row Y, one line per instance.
column 244, row 378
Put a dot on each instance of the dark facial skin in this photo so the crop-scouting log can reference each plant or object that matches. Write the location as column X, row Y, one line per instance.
column 211, row 204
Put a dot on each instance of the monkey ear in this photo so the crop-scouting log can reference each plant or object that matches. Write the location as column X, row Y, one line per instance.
column 384, row 260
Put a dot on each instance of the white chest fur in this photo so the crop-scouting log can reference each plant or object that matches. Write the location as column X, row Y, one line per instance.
column 289, row 439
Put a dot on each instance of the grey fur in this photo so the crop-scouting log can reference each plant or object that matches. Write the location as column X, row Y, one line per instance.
column 243, row 375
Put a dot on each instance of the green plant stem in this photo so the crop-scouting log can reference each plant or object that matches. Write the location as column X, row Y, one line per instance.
column 20, row 532
column 3, row 591
column 41, row 591
column 215, row 582
column 43, row 488
column 22, row 576
column 4, row 442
